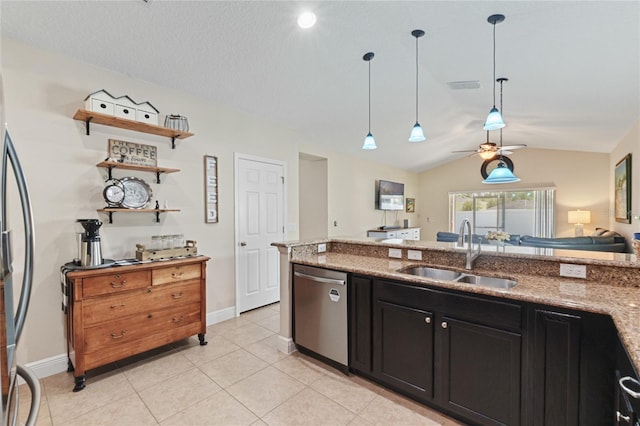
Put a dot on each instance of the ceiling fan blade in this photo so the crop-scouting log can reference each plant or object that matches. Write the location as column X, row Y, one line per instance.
column 514, row 146
column 504, row 152
column 469, row 150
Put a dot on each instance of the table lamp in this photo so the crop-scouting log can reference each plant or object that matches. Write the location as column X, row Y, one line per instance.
column 579, row 218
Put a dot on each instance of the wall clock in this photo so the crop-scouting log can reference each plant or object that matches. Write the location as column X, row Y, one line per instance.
column 490, row 164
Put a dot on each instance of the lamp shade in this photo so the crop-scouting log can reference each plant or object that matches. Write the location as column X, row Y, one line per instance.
column 579, row 216
column 501, row 174
column 494, row 120
column 417, row 135
column 369, row 142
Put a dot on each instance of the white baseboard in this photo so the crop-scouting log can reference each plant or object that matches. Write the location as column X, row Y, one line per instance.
column 58, row 363
column 286, row 345
column 221, row 315
column 47, row 367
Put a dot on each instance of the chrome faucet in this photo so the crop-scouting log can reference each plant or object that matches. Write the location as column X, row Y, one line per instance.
column 471, row 255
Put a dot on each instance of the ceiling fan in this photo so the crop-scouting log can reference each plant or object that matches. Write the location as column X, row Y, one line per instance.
column 489, row 150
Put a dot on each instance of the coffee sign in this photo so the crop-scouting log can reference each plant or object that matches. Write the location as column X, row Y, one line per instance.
column 133, row 153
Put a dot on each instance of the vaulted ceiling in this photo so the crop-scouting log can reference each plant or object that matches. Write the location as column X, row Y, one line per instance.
column 573, row 67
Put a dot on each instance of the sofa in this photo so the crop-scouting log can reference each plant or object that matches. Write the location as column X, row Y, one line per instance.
column 600, row 240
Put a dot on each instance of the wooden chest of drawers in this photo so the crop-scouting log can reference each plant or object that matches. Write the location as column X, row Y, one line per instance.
column 117, row 312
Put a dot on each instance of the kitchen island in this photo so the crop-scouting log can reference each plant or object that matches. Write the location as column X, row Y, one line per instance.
column 553, row 307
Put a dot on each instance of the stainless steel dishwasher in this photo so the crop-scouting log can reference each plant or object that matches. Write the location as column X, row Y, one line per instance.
column 320, row 313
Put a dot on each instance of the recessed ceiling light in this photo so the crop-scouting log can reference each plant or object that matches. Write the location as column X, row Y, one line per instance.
column 306, row 20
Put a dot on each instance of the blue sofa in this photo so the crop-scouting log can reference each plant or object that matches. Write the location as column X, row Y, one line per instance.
column 602, row 240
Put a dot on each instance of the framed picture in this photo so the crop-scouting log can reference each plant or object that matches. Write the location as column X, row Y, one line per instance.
column 210, row 189
column 622, row 182
column 411, row 205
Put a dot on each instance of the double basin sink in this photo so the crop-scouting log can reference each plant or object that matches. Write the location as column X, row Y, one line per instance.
column 459, row 277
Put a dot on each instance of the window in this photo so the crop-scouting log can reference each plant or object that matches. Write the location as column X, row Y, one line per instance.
column 518, row 212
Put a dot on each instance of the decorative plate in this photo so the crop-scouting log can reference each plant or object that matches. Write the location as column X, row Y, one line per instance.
column 137, row 194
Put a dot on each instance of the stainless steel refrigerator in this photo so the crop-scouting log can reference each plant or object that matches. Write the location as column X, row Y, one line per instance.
column 12, row 320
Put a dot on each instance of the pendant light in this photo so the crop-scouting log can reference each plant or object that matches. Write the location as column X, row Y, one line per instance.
column 417, row 135
column 369, row 142
column 494, row 119
column 501, row 174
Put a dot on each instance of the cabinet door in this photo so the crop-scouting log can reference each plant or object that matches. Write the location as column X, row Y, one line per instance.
column 403, row 348
column 481, row 369
column 360, row 323
column 556, row 360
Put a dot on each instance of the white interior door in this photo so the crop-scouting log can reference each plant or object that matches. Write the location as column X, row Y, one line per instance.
column 260, row 219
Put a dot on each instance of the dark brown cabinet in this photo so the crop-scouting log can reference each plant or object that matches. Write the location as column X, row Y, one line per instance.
column 572, row 367
column 403, row 342
column 480, row 370
column 627, row 406
column 360, row 323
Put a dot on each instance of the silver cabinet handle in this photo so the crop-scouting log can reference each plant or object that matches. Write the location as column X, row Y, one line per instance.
column 444, row 324
column 635, row 395
column 620, row 417
column 427, row 320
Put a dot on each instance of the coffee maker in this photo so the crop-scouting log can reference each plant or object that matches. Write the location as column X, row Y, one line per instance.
column 90, row 249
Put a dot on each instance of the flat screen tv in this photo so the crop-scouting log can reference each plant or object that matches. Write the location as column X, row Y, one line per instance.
column 389, row 195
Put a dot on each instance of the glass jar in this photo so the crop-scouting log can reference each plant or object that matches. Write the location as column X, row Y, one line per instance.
column 156, row 242
column 167, row 242
column 178, row 240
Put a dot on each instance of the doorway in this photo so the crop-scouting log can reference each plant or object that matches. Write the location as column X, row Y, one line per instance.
column 260, row 219
column 313, row 211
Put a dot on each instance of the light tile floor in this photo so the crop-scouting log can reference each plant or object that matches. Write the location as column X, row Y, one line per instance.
column 239, row 378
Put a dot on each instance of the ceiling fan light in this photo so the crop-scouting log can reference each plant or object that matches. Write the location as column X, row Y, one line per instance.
column 494, row 120
column 417, row 135
column 487, row 155
column 501, row 174
column 369, row 142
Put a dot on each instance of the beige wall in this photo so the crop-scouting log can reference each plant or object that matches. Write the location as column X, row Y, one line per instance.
column 581, row 179
column 630, row 144
column 313, row 197
column 352, row 192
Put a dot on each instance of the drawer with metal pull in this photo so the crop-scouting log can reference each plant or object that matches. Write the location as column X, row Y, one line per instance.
column 115, row 282
column 117, row 306
column 175, row 273
column 139, row 325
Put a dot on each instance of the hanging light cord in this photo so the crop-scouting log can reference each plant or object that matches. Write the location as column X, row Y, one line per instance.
column 494, row 82
column 494, row 66
column 417, row 79
column 369, row 96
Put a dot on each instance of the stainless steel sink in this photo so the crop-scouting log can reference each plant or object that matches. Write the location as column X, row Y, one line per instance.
column 486, row 281
column 459, row 277
column 435, row 273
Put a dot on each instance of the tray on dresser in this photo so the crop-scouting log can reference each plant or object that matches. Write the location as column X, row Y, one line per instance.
column 142, row 253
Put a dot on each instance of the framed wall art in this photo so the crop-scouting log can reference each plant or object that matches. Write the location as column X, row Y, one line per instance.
column 411, row 205
column 210, row 189
column 622, row 188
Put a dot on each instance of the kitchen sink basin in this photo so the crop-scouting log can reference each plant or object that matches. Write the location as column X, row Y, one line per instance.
column 486, row 281
column 459, row 277
column 435, row 273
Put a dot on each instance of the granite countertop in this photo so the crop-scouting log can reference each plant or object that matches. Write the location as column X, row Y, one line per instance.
column 621, row 302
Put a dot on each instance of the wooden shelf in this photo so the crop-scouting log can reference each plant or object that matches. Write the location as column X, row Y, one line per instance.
column 110, row 120
column 110, row 165
column 111, row 210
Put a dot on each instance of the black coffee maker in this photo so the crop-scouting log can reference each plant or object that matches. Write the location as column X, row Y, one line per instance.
column 90, row 249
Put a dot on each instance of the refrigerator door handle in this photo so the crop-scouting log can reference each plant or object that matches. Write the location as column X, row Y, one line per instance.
column 9, row 153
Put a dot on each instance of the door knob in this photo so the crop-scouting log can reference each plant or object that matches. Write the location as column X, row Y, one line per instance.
column 243, row 243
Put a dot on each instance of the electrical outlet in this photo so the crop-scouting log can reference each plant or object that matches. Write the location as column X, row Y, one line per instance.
column 414, row 255
column 397, row 253
column 573, row 271
column 322, row 248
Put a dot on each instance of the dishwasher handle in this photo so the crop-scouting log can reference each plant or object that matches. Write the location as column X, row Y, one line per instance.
column 319, row 279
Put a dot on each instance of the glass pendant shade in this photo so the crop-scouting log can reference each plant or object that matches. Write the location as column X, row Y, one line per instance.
column 494, row 120
column 369, row 142
column 417, row 135
column 501, row 174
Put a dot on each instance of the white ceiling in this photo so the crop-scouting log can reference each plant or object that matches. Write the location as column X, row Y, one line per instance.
column 573, row 67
